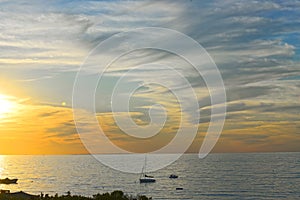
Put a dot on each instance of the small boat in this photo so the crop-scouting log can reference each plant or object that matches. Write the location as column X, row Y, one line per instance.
column 179, row 188
column 173, row 176
column 8, row 181
column 144, row 178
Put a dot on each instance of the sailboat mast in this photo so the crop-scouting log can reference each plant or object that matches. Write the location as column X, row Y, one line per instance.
column 143, row 169
column 145, row 163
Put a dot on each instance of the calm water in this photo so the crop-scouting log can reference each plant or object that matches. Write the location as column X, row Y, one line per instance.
column 218, row 176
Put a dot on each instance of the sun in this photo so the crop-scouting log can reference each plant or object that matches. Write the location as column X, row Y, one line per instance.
column 6, row 105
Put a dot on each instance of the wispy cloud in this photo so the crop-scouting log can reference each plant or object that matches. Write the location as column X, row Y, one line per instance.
column 255, row 45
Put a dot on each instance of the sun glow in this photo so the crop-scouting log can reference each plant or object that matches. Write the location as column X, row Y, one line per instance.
column 6, row 105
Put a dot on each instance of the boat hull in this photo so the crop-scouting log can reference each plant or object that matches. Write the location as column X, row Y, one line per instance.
column 173, row 176
column 8, row 181
column 147, row 180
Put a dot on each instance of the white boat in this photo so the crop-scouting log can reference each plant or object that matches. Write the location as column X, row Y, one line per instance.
column 144, row 178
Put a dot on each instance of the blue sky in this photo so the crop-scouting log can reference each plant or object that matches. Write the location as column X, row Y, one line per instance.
column 255, row 45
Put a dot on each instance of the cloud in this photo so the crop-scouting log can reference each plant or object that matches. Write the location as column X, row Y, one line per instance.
column 254, row 44
column 39, row 129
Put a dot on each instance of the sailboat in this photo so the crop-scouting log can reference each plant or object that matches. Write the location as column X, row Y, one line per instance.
column 144, row 178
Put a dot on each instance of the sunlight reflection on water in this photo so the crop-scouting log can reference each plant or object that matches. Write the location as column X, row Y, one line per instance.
column 219, row 176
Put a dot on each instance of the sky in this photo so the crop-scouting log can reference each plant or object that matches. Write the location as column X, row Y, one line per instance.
column 255, row 45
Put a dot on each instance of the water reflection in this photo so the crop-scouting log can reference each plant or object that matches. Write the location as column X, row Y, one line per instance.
column 218, row 176
column 1, row 165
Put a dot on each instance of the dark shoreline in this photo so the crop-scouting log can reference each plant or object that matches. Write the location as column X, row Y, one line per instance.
column 115, row 195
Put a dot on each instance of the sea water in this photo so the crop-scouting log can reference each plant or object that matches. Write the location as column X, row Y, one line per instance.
column 218, row 176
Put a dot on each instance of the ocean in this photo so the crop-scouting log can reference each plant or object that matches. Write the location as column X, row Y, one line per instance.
column 218, row 176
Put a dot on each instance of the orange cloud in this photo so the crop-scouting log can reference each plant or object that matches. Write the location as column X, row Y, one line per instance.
column 39, row 129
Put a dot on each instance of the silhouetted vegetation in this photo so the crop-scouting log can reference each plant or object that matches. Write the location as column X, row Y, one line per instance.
column 116, row 195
